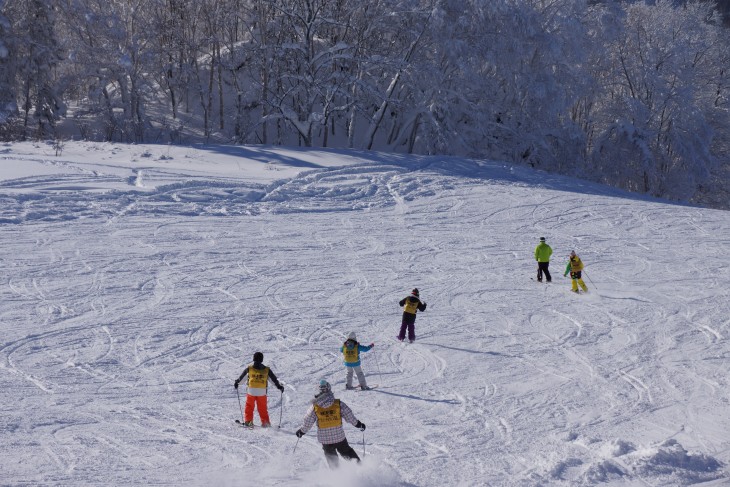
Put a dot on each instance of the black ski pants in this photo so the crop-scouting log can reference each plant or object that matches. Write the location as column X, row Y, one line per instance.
column 343, row 448
column 543, row 267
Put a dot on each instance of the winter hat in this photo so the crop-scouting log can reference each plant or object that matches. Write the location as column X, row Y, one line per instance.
column 258, row 357
column 415, row 291
column 324, row 387
column 572, row 253
column 542, row 239
column 352, row 336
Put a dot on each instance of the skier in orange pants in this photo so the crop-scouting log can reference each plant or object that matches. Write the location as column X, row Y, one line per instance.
column 258, row 377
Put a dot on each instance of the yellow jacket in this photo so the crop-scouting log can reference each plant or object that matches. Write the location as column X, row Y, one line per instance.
column 574, row 265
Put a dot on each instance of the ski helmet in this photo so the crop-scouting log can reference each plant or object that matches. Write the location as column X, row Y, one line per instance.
column 415, row 291
column 542, row 239
column 258, row 357
column 352, row 336
column 323, row 388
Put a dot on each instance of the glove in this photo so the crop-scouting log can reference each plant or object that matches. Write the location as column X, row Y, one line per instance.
column 360, row 426
column 372, row 345
column 281, row 388
column 235, row 385
column 299, row 433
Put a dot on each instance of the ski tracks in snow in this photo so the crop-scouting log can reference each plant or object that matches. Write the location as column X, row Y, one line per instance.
column 139, row 312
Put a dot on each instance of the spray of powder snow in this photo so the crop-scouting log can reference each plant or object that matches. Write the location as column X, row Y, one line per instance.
column 371, row 472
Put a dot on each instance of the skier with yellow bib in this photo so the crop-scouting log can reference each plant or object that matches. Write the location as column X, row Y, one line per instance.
column 258, row 378
column 411, row 305
column 328, row 413
column 575, row 267
column 350, row 351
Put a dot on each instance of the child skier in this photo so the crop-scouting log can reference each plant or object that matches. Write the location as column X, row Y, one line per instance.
column 351, row 353
column 575, row 267
column 411, row 305
column 258, row 378
column 328, row 413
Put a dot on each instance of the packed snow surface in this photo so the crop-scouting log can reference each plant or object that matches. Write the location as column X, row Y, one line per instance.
column 138, row 281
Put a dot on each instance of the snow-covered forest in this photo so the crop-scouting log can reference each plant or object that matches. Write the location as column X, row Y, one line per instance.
column 631, row 94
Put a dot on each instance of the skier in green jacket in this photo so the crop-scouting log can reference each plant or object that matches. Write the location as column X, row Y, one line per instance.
column 542, row 256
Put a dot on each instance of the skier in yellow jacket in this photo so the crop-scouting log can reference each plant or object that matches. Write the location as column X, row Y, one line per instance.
column 575, row 267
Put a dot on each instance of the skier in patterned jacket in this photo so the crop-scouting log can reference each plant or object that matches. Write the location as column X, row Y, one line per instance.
column 259, row 376
column 328, row 413
column 411, row 305
column 350, row 351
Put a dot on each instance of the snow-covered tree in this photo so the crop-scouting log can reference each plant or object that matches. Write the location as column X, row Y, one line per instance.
column 655, row 136
column 8, row 95
column 38, row 56
column 111, row 49
column 501, row 77
column 309, row 78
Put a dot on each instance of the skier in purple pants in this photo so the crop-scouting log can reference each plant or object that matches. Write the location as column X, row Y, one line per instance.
column 411, row 305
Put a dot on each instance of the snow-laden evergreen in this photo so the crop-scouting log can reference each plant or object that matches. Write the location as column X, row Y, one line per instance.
column 139, row 280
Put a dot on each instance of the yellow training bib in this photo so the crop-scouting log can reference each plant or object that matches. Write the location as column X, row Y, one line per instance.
column 411, row 306
column 351, row 355
column 329, row 417
column 258, row 378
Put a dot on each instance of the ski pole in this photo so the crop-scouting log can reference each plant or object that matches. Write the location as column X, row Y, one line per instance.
column 295, row 445
column 589, row 278
column 363, row 444
column 239, row 404
column 378, row 364
column 281, row 408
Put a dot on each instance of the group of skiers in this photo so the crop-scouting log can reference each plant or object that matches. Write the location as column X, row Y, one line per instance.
column 326, row 411
column 543, row 252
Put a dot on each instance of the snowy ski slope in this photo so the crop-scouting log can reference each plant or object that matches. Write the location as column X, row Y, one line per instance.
column 138, row 281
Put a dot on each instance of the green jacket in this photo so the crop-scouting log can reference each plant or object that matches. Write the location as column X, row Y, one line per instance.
column 543, row 252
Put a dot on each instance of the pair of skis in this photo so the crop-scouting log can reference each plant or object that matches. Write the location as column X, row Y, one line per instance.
column 360, row 389
column 278, row 429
